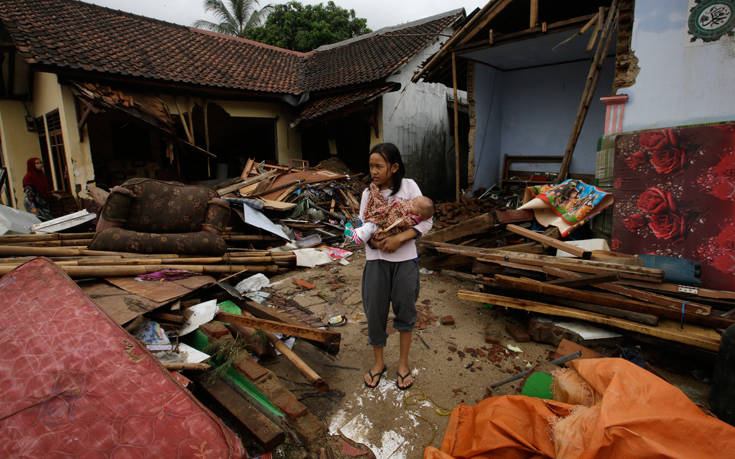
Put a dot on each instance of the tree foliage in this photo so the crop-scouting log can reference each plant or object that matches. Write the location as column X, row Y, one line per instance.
column 236, row 16
column 305, row 27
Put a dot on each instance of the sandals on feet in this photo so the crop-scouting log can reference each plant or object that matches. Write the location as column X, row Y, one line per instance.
column 402, row 378
column 372, row 376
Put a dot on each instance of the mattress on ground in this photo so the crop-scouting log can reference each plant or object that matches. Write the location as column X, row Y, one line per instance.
column 75, row 384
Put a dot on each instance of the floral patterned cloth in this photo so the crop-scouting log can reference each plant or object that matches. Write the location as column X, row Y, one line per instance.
column 194, row 243
column 675, row 191
column 384, row 213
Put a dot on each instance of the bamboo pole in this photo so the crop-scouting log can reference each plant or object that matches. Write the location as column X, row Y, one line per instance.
column 13, row 238
column 187, row 366
column 593, row 77
column 137, row 270
column 310, row 375
column 456, row 127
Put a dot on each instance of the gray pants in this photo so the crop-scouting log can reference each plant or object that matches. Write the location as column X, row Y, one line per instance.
column 383, row 283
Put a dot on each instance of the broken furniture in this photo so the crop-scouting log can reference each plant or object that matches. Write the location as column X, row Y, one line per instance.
column 151, row 216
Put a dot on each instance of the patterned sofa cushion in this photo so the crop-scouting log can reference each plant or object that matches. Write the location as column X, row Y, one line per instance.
column 193, row 243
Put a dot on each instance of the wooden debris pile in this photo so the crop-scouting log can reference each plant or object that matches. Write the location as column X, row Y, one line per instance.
column 515, row 268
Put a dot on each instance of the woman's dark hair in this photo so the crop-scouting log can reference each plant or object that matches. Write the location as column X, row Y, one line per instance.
column 391, row 155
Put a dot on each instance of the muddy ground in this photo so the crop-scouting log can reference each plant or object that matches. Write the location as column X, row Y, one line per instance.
column 452, row 363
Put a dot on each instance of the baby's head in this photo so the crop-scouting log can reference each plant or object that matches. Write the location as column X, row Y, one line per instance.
column 422, row 207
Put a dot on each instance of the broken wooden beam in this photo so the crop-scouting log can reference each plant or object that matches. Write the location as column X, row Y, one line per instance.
column 310, row 375
column 260, row 427
column 513, row 216
column 137, row 270
column 186, row 366
column 640, row 317
column 584, row 281
column 474, row 225
column 323, row 336
column 557, row 244
column 668, row 330
column 620, row 302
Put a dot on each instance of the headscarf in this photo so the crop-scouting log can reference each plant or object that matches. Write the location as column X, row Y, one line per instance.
column 36, row 178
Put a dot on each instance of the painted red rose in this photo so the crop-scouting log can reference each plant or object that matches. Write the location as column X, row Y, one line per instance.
column 634, row 222
column 656, row 201
column 656, row 140
column 668, row 226
column 724, row 190
column 725, row 263
column 637, row 160
column 615, row 244
column 726, row 167
column 668, row 160
column 726, row 238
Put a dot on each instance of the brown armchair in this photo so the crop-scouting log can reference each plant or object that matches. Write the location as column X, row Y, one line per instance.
column 151, row 216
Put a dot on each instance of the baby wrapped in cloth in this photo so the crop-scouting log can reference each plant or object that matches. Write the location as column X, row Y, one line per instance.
column 383, row 218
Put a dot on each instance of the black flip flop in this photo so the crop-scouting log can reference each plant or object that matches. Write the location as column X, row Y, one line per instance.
column 372, row 376
column 403, row 378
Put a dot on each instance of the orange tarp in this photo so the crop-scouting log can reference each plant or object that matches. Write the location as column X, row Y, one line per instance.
column 638, row 416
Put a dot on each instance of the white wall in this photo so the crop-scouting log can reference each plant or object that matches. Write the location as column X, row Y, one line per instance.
column 419, row 127
column 679, row 82
column 531, row 112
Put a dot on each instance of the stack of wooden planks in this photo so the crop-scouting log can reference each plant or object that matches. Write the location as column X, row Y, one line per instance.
column 602, row 287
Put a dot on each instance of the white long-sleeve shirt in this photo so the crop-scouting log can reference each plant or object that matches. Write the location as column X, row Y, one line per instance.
column 409, row 190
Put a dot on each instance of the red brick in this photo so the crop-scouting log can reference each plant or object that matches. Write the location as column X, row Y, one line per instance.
column 304, row 284
column 491, row 339
column 517, row 332
column 288, row 403
column 215, row 330
column 249, row 367
column 447, row 320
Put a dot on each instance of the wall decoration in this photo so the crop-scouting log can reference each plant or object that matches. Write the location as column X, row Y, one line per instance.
column 710, row 20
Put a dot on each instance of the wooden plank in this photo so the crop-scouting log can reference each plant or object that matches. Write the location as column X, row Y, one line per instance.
column 161, row 291
column 584, row 281
column 456, row 128
column 661, row 300
column 245, row 183
column 584, row 266
column 263, row 429
column 533, row 17
column 557, row 244
column 314, row 334
column 514, row 216
column 683, row 290
column 474, row 225
column 692, row 335
column 620, row 302
column 648, row 319
column 121, row 306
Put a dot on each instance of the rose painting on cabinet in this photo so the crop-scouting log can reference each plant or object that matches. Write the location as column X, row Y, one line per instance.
column 675, row 196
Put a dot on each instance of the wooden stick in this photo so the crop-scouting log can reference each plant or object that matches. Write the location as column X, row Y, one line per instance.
column 669, row 330
column 533, row 17
column 244, row 183
column 584, row 281
column 310, row 375
column 684, row 289
column 314, row 334
column 474, row 225
column 595, row 19
column 187, row 366
column 456, row 127
column 530, row 285
column 568, row 248
column 12, row 238
column 640, row 317
column 596, row 31
column 137, row 270
column 591, row 84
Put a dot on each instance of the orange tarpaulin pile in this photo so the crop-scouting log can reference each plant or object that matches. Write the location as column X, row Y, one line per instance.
column 638, row 416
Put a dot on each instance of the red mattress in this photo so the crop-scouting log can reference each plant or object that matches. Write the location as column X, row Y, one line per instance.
column 75, row 384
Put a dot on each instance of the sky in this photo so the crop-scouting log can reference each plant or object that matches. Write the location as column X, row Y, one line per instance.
column 379, row 13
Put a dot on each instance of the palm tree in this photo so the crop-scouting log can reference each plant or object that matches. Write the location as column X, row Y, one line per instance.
column 236, row 16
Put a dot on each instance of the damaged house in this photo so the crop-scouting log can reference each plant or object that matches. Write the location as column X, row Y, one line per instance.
column 631, row 96
column 103, row 95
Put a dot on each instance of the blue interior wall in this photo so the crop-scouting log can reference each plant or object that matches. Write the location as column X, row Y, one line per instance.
column 531, row 112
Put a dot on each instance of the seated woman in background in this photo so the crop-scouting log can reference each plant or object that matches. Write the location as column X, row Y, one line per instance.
column 37, row 191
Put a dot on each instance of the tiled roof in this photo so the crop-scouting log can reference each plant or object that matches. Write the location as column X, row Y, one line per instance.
column 70, row 34
column 331, row 103
column 373, row 56
column 76, row 35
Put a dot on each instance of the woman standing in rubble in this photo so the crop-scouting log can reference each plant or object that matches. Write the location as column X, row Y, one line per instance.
column 391, row 273
column 37, row 191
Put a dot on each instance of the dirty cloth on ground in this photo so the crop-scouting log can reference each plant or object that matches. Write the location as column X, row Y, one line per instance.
column 73, row 383
column 638, row 416
column 566, row 205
